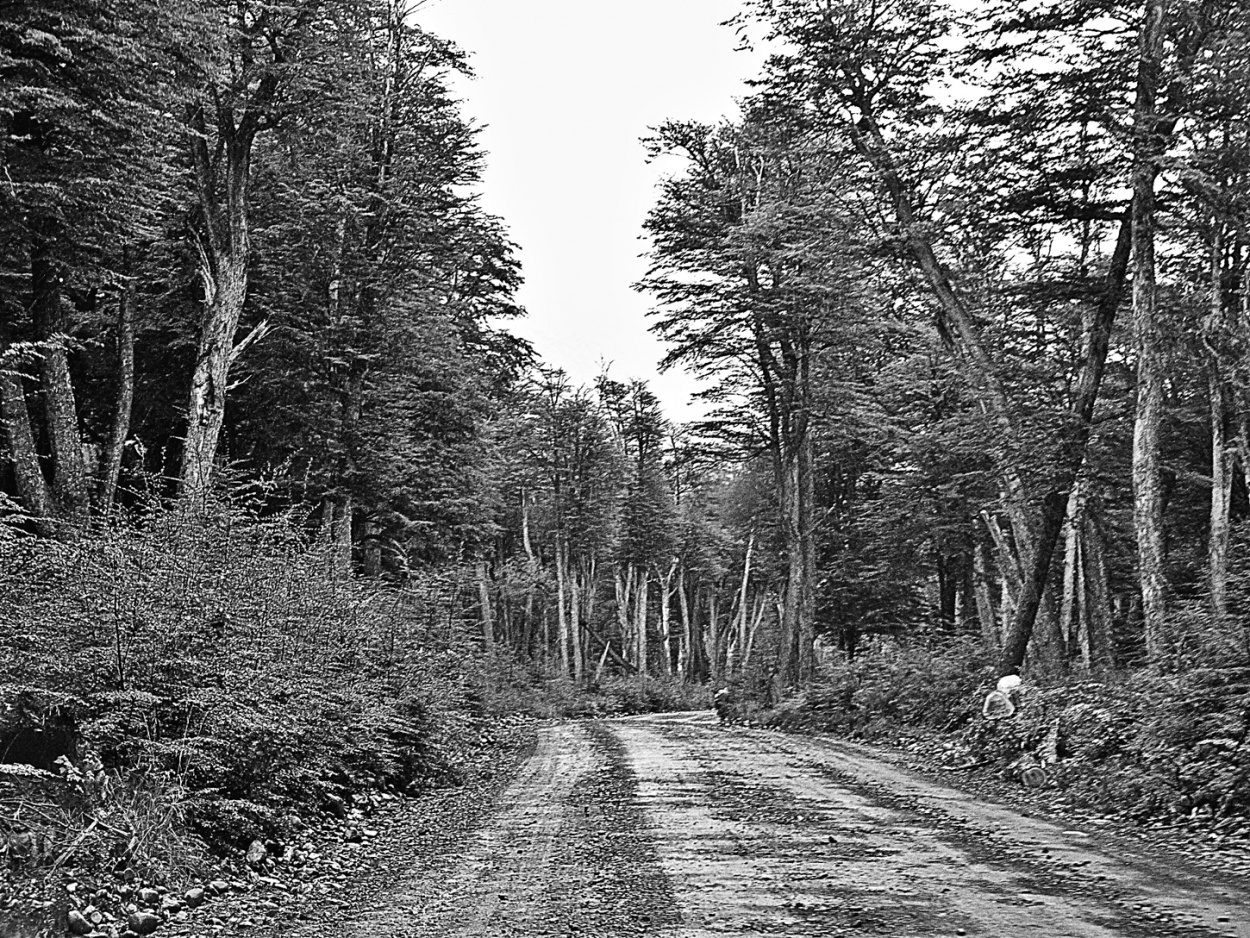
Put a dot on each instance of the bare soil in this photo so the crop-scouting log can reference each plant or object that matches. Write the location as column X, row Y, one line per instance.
column 675, row 826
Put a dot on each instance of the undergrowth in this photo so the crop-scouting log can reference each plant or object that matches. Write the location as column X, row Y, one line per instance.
column 209, row 677
column 1144, row 744
column 531, row 689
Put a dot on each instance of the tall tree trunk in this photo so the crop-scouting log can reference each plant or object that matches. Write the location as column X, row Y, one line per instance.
column 1221, row 499
column 806, row 612
column 947, row 587
column 562, row 605
column 1084, row 637
column 1147, row 339
column 590, row 581
column 713, row 639
column 624, row 583
column 741, row 625
column 111, row 464
column 575, row 624
column 525, row 526
column 546, row 638
column 1221, row 454
column 370, row 545
column 788, row 664
column 685, row 654
column 757, row 618
column 336, row 521
column 70, row 489
column 640, row 622
column 1097, row 600
column 487, row 610
column 350, row 387
column 1070, row 604
column 32, row 487
column 991, row 637
column 956, row 323
column 225, row 257
column 666, row 600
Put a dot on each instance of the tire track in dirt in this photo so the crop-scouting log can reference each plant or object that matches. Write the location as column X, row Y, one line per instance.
column 1168, row 888
column 671, row 826
column 766, row 834
column 566, row 851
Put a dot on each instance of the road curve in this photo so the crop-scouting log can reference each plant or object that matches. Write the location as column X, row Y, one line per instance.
column 676, row 827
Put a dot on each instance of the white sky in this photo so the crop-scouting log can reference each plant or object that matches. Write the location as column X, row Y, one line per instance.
column 566, row 88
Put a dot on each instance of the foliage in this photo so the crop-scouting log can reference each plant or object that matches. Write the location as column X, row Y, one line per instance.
column 1149, row 746
column 898, row 686
column 226, row 656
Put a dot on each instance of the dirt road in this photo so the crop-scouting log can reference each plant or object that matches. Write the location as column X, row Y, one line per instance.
column 674, row 826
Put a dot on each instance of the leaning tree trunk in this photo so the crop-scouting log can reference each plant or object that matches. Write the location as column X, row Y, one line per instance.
column 32, row 488
column 1147, row 340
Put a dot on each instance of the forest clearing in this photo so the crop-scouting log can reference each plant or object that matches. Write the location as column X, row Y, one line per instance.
column 329, row 606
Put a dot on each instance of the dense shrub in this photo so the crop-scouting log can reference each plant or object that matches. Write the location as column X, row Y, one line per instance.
column 897, row 686
column 225, row 659
column 527, row 688
column 1143, row 743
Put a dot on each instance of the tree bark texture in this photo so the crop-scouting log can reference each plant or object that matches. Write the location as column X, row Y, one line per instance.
column 1221, row 453
column 114, row 449
column 70, row 491
column 32, row 488
column 487, row 610
column 222, row 182
column 562, row 617
column 1147, row 338
column 640, row 622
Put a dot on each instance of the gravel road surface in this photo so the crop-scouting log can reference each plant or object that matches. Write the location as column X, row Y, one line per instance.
column 674, row 826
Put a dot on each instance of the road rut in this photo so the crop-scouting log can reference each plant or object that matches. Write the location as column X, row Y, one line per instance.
column 676, row 827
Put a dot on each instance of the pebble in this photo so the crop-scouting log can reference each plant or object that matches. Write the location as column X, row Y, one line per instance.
column 143, row 923
column 78, row 923
column 256, row 853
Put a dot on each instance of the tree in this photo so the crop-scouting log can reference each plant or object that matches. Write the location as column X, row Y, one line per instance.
column 88, row 176
column 869, row 72
column 757, row 264
column 1147, row 485
column 268, row 63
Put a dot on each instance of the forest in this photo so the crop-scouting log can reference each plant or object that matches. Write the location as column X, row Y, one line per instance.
column 287, row 513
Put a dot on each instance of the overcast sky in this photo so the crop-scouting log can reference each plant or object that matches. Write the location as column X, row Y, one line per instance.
column 565, row 89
